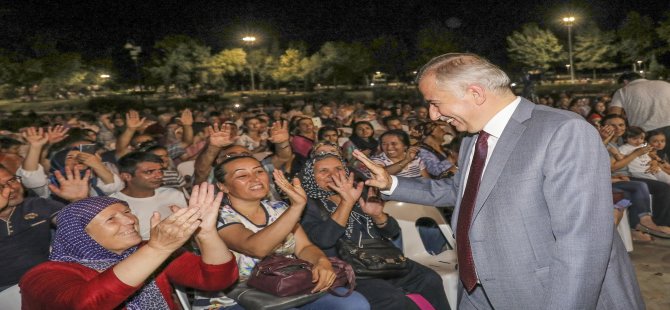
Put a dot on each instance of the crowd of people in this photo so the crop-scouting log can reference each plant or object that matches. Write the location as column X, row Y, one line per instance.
column 94, row 206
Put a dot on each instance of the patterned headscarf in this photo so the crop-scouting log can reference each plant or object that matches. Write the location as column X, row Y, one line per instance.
column 313, row 191
column 73, row 244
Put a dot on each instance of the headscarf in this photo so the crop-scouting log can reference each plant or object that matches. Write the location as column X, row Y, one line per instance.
column 58, row 163
column 360, row 143
column 73, row 244
column 315, row 192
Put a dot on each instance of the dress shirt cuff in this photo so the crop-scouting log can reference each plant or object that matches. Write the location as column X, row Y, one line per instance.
column 394, row 184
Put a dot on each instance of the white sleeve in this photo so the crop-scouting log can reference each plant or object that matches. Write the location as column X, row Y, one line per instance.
column 35, row 180
column 113, row 187
column 617, row 99
column 394, row 184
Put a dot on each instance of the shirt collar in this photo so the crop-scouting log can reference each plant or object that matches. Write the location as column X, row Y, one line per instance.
column 497, row 124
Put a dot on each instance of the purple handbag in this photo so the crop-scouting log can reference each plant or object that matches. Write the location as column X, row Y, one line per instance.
column 287, row 276
column 282, row 276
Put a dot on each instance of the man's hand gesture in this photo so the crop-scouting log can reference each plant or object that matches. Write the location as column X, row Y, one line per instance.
column 380, row 177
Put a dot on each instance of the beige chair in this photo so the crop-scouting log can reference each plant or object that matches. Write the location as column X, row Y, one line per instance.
column 445, row 263
column 10, row 299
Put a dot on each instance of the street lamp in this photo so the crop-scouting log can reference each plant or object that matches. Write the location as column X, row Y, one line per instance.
column 250, row 40
column 134, row 51
column 569, row 21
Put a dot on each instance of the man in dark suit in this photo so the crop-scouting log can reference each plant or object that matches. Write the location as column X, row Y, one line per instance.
column 533, row 217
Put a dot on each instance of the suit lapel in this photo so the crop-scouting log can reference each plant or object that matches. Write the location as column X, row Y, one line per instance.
column 503, row 149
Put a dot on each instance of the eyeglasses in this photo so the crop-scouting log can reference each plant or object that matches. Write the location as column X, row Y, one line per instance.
column 14, row 180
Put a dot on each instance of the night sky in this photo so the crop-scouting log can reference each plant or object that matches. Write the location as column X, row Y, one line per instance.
column 100, row 28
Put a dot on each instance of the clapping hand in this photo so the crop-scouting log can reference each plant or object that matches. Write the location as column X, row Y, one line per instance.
column 171, row 233
column 279, row 132
column 133, row 120
column 344, row 186
column 203, row 198
column 296, row 194
column 73, row 186
column 220, row 137
column 380, row 178
column 57, row 134
column 412, row 152
column 35, row 137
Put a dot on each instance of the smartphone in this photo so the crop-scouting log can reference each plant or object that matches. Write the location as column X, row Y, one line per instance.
column 88, row 148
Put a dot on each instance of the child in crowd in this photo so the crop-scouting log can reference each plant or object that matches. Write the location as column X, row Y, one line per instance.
column 642, row 166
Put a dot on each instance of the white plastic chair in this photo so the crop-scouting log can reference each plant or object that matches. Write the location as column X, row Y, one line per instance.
column 445, row 263
column 183, row 297
column 10, row 299
column 624, row 231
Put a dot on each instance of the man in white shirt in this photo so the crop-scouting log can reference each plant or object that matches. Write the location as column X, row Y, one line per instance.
column 143, row 174
column 533, row 216
column 646, row 102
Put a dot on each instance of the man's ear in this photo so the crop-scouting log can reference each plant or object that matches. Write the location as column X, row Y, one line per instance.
column 125, row 176
column 477, row 92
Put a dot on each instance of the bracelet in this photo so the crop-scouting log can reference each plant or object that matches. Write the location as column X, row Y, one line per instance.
column 380, row 225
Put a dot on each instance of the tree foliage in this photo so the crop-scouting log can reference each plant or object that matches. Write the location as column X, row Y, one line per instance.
column 636, row 36
column 535, row 47
column 344, row 62
column 594, row 49
column 178, row 61
column 389, row 55
column 434, row 40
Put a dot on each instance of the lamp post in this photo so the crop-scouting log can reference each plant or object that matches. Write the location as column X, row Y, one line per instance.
column 134, row 51
column 250, row 40
column 569, row 21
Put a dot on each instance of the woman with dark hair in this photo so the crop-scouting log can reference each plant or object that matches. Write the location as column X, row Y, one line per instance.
column 439, row 160
column 398, row 157
column 97, row 261
column 336, row 210
column 361, row 139
column 302, row 135
column 637, row 190
column 253, row 138
column 254, row 227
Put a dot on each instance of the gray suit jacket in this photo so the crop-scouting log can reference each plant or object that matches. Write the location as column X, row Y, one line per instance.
column 542, row 232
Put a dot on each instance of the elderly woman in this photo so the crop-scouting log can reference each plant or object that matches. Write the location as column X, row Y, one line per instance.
column 330, row 188
column 255, row 228
column 97, row 262
column 398, row 157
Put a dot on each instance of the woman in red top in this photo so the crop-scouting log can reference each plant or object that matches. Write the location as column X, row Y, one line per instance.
column 96, row 262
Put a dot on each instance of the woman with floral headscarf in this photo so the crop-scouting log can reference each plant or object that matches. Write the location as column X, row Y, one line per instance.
column 331, row 190
column 97, row 263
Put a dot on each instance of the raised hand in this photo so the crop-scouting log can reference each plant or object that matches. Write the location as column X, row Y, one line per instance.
column 606, row 132
column 221, row 137
column 380, row 177
column 296, row 194
column 344, row 186
column 35, row 137
column 56, row 134
column 4, row 197
column 171, row 233
column 202, row 197
column 187, row 117
column 372, row 205
column 89, row 160
column 412, row 152
column 73, row 186
column 279, row 132
column 133, row 120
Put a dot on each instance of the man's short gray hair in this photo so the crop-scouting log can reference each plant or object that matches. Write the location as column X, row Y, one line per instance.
column 456, row 71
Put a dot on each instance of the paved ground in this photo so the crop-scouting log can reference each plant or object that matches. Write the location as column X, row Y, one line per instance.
column 652, row 265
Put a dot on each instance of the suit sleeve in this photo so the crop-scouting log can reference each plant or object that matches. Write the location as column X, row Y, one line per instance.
column 428, row 192
column 578, row 192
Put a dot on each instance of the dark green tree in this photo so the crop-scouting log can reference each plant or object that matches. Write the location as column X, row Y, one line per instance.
column 535, row 47
column 594, row 49
column 179, row 61
column 389, row 55
column 636, row 38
